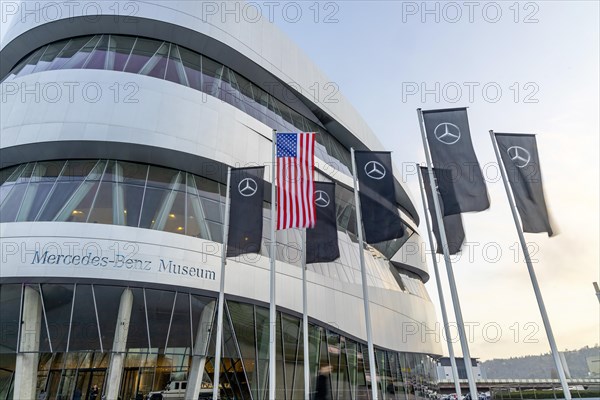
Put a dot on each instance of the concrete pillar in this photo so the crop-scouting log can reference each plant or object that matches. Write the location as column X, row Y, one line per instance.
column 27, row 363
column 199, row 352
column 117, row 359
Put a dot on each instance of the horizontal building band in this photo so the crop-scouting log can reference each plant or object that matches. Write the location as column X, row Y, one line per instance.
column 177, row 64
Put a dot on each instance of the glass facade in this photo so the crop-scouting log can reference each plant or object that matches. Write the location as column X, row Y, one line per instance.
column 177, row 64
column 77, row 329
column 152, row 197
column 113, row 192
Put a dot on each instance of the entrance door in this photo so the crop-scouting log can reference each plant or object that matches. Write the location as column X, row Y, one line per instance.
column 136, row 383
column 86, row 379
column 129, row 383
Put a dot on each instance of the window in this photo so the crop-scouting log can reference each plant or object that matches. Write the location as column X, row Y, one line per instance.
column 168, row 61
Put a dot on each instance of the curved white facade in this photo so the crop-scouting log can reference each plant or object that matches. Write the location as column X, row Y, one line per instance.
column 102, row 114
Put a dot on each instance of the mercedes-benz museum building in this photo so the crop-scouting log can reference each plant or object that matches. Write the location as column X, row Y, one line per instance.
column 118, row 122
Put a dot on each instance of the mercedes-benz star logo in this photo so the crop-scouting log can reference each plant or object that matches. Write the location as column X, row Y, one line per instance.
column 321, row 198
column 375, row 170
column 519, row 156
column 247, row 187
column 447, row 133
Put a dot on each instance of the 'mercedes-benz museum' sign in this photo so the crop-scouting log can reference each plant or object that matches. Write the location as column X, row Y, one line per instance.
column 119, row 261
column 110, row 259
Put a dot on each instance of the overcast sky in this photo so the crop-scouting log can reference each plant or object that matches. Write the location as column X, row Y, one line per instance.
column 544, row 58
column 520, row 67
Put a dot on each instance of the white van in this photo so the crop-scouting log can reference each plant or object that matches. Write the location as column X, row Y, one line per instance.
column 175, row 390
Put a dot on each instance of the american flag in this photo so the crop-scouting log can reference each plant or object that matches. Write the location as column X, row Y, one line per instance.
column 295, row 180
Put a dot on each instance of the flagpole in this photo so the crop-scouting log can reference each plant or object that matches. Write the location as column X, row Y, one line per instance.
column 272, row 309
column 365, row 287
column 219, row 341
column 305, row 321
column 439, row 287
column 453, row 291
column 532, row 276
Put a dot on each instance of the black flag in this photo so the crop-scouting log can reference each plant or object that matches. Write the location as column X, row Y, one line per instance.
column 246, row 211
column 322, row 240
column 462, row 187
column 522, row 164
column 380, row 216
column 453, row 225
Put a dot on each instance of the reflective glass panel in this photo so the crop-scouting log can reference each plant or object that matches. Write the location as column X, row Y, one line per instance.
column 58, row 300
column 175, row 70
column 97, row 59
column 152, row 201
column 108, row 299
column 79, row 206
column 143, row 50
column 290, row 339
column 211, row 81
column 84, row 329
column 197, row 305
column 10, row 206
column 132, row 205
column 160, row 305
column 77, row 170
column 10, row 174
column 165, row 178
column 192, row 63
column 34, row 198
column 60, row 194
column 69, row 50
column 121, row 47
column 137, row 337
column 79, row 59
column 108, row 205
column 29, row 66
column 25, row 174
column 157, row 64
column 134, row 173
column 176, row 221
column 52, row 50
column 196, row 220
column 179, row 336
column 10, row 301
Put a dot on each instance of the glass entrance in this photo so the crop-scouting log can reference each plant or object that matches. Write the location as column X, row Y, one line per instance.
column 73, row 376
column 75, row 384
column 86, row 380
column 136, row 383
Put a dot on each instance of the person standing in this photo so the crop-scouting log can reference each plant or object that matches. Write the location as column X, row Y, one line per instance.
column 323, row 387
column 94, row 393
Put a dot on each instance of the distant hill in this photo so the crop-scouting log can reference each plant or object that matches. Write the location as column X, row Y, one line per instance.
column 541, row 366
